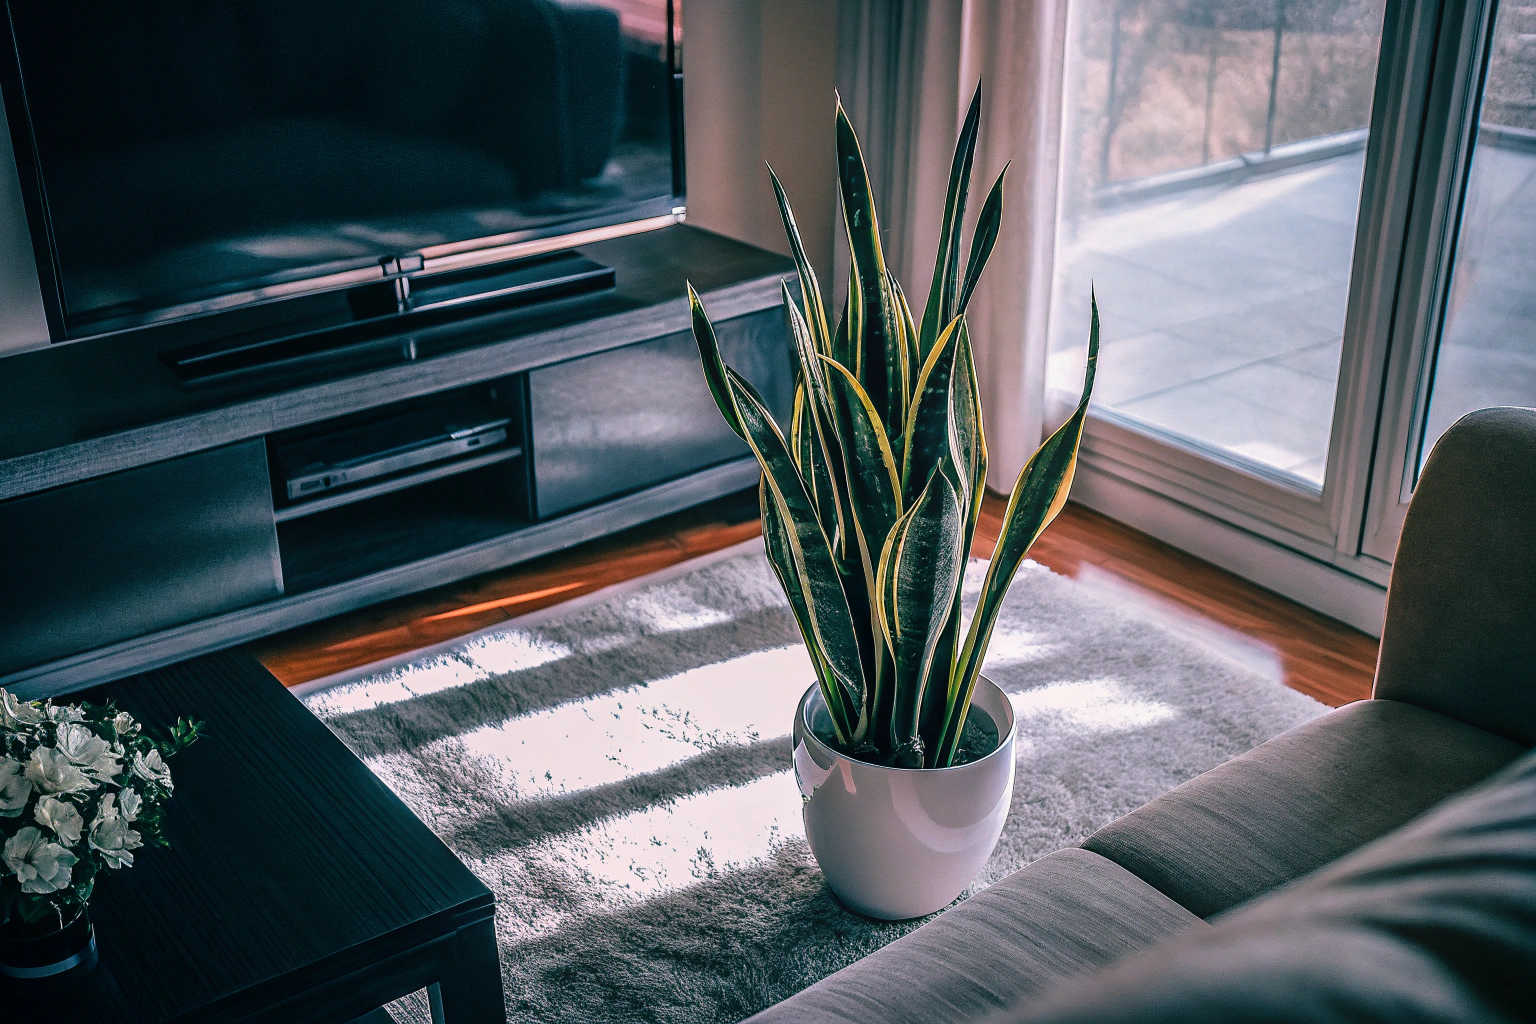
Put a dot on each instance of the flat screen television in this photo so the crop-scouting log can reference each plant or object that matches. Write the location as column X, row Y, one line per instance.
column 180, row 160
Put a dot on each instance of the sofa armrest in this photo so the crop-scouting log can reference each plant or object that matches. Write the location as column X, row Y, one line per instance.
column 1460, row 632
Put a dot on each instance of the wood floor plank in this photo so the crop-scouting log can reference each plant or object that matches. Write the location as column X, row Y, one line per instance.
column 1291, row 644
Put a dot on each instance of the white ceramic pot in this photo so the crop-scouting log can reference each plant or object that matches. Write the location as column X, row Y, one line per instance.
column 896, row 843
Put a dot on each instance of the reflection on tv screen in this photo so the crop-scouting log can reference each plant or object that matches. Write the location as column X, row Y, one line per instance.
column 189, row 151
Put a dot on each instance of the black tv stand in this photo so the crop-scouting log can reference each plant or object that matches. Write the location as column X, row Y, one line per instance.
column 150, row 527
column 373, row 324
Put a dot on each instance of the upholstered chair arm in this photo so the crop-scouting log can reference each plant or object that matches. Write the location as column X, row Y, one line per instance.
column 1460, row 632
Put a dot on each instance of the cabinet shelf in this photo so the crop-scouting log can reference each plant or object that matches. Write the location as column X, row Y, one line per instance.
column 400, row 482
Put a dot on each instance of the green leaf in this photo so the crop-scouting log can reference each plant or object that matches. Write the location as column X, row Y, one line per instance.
column 780, row 556
column 927, row 437
column 920, row 570
column 842, row 343
column 714, row 366
column 966, row 431
column 807, row 357
column 34, row 908
column 814, row 566
column 1038, row 496
column 799, row 430
column 913, row 361
column 874, row 484
column 940, row 309
column 815, row 308
column 874, row 492
column 879, row 346
column 987, row 224
column 819, row 449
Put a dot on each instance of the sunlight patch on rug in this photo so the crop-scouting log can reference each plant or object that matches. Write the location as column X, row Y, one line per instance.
column 1096, row 705
column 661, row 849
column 489, row 654
column 645, row 728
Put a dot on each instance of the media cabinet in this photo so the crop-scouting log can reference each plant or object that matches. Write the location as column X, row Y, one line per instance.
column 140, row 524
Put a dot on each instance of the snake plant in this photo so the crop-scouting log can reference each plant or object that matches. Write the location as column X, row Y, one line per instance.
column 870, row 502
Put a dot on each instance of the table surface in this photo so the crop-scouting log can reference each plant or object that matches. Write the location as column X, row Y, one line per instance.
column 290, row 865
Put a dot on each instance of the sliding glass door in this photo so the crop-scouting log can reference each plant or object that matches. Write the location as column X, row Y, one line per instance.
column 1215, row 151
column 1310, row 252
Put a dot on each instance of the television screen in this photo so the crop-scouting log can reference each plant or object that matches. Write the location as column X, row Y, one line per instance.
column 195, row 156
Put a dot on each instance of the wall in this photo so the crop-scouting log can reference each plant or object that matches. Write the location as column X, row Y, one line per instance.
column 759, row 85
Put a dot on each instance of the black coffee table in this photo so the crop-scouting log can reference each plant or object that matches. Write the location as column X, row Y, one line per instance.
column 298, row 888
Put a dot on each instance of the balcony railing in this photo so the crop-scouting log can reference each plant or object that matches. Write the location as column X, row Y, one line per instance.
column 1268, row 85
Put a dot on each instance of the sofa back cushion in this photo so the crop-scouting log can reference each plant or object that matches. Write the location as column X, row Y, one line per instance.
column 1460, row 632
column 1437, row 921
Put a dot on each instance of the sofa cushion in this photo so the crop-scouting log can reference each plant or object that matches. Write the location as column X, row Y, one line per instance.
column 1299, row 801
column 1065, row 915
column 1435, row 922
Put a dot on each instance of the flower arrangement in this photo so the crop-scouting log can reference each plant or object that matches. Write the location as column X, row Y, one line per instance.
column 82, row 787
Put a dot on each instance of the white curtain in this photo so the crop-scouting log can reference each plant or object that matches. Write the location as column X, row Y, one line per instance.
column 906, row 71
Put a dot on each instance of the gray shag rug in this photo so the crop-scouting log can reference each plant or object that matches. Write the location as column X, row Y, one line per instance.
column 617, row 771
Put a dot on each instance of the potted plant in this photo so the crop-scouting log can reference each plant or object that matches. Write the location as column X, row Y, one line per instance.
column 81, row 788
column 870, row 504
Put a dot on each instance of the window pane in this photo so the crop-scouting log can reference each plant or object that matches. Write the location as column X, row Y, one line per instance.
column 1213, row 154
column 1488, row 344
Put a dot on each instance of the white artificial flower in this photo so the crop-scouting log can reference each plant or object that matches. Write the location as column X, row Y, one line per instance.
column 63, row 713
column 129, row 802
column 87, row 751
column 16, row 713
column 15, row 790
column 51, row 772
column 113, row 839
column 124, row 724
column 60, row 816
column 90, row 752
column 152, row 768
column 42, row 867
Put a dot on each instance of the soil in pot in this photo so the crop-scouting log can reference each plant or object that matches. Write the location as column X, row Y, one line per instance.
column 978, row 738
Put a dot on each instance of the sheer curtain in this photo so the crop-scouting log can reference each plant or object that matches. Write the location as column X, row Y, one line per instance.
column 906, row 71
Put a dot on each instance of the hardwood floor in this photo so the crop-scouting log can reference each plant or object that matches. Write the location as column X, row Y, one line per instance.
column 1293, row 645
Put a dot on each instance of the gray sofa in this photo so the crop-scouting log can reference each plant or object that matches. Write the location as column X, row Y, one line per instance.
column 1378, row 863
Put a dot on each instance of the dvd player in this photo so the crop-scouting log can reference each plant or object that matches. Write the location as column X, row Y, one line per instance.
column 408, row 440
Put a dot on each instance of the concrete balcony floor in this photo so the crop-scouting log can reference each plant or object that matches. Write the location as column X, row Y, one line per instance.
column 1223, row 307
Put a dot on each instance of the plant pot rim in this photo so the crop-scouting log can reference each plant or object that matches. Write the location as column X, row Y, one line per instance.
column 1004, row 734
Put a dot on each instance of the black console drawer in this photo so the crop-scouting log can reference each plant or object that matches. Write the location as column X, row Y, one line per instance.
column 635, row 416
column 119, row 556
